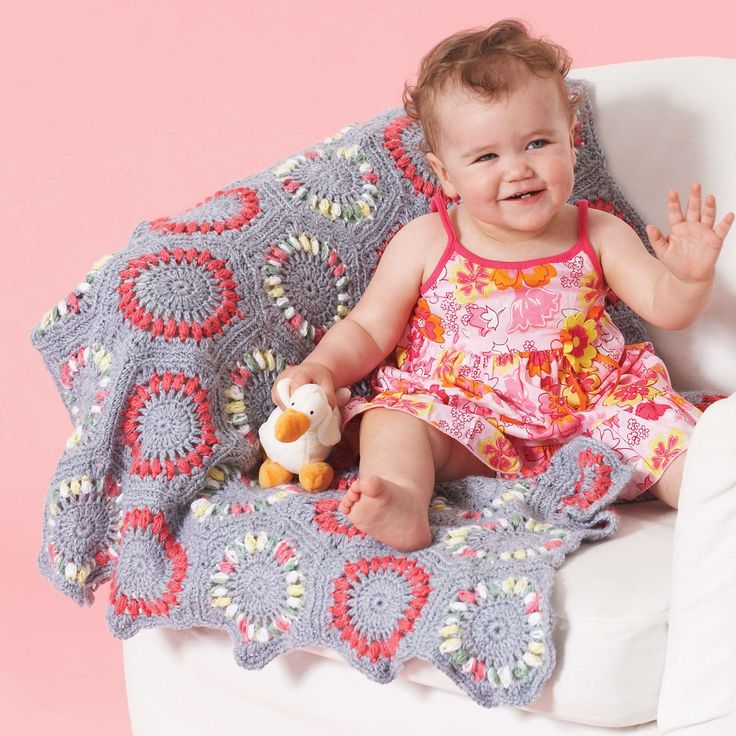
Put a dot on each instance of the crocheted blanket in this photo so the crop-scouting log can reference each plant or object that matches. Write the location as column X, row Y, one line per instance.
column 285, row 569
column 165, row 355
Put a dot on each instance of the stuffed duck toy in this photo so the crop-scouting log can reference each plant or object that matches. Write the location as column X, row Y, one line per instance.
column 296, row 440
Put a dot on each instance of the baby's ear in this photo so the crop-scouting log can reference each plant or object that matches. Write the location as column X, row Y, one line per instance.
column 441, row 172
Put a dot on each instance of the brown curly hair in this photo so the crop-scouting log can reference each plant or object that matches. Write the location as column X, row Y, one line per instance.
column 492, row 62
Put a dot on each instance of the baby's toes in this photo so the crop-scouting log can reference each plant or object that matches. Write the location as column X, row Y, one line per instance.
column 350, row 497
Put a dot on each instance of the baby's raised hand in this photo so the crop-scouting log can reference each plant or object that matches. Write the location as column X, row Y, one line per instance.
column 692, row 248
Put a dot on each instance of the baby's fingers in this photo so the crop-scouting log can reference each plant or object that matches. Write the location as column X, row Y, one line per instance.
column 693, row 204
column 674, row 210
column 658, row 241
column 724, row 226
column 709, row 211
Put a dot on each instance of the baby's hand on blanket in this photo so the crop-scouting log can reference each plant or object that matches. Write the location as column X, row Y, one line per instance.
column 306, row 372
column 692, row 248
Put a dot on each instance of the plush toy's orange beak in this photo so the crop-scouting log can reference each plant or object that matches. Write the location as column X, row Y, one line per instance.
column 291, row 425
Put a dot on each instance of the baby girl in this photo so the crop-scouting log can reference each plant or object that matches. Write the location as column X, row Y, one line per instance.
column 493, row 310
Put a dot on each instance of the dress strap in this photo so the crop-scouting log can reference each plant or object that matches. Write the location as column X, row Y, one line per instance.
column 582, row 205
column 582, row 219
column 438, row 204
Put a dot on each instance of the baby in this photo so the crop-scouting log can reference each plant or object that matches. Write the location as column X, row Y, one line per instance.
column 494, row 309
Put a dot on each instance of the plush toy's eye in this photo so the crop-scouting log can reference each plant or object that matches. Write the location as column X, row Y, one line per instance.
column 311, row 412
column 292, row 404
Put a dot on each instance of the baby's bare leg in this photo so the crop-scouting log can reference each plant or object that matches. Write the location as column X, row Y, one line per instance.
column 401, row 456
column 667, row 488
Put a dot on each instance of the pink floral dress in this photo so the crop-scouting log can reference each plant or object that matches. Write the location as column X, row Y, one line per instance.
column 513, row 359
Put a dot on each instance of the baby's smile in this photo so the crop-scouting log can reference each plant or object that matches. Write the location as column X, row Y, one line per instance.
column 531, row 195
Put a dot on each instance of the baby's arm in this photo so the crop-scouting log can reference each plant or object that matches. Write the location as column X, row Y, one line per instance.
column 674, row 289
column 355, row 345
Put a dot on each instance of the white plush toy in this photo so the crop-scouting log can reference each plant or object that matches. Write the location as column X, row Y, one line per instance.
column 298, row 439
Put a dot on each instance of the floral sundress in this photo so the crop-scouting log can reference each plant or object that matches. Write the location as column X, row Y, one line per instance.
column 513, row 359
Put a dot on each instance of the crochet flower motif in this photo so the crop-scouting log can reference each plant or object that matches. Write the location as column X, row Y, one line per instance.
column 377, row 601
column 577, row 337
column 83, row 520
column 495, row 632
column 151, row 568
column 401, row 138
column 250, row 391
column 505, row 539
column 89, row 364
column 215, row 501
column 168, row 426
column 327, row 520
column 178, row 294
column 520, row 491
column 259, row 586
column 73, row 303
column 228, row 209
column 593, row 483
column 312, row 177
column 306, row 267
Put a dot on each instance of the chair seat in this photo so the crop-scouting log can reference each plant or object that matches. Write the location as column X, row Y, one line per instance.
column 610, row 637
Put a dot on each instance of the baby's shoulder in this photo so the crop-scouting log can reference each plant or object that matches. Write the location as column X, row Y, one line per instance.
column 422, row 240
column 605, row 228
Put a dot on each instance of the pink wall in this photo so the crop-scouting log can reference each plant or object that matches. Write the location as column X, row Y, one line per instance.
column 116, row 112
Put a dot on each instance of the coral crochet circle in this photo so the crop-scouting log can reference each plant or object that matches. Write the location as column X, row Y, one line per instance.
column 338, row 183
column 401, row 139
column 249, row 394
column 85, row 378
column 228, row 209
column 327, row 520
column 168, row 426
column 306, row 280
column 179, row 295
column 593, row 483
column 82, row 522
column 495, row 632
column 259, row 586
column 151, row 569
column 376, row 602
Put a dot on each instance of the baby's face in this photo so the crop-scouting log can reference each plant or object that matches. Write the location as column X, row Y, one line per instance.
column 491, row 150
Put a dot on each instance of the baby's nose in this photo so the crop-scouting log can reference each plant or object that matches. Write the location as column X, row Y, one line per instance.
column 517, row 168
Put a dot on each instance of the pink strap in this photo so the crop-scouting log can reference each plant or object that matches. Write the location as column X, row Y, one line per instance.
column 438, row 204
column 582, row 219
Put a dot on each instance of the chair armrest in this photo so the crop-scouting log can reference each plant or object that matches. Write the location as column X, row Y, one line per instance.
column 699, row 683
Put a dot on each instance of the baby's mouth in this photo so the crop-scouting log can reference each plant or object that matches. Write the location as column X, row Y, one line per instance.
column 524, row 195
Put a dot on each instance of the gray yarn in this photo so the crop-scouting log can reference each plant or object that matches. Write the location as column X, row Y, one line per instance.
column 165, row 355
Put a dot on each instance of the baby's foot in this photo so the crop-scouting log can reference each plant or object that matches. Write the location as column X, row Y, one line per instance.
column 388, row 512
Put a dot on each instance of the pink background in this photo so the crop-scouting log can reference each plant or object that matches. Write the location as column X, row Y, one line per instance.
column 116, row 112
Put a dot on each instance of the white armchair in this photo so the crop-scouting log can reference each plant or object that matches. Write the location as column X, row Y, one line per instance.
column 645, row 633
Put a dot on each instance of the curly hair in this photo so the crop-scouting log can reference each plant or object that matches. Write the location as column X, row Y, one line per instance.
column 492, row 62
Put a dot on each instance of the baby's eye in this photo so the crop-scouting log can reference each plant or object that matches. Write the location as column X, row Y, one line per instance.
column 539, row 140
column 486, row 154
